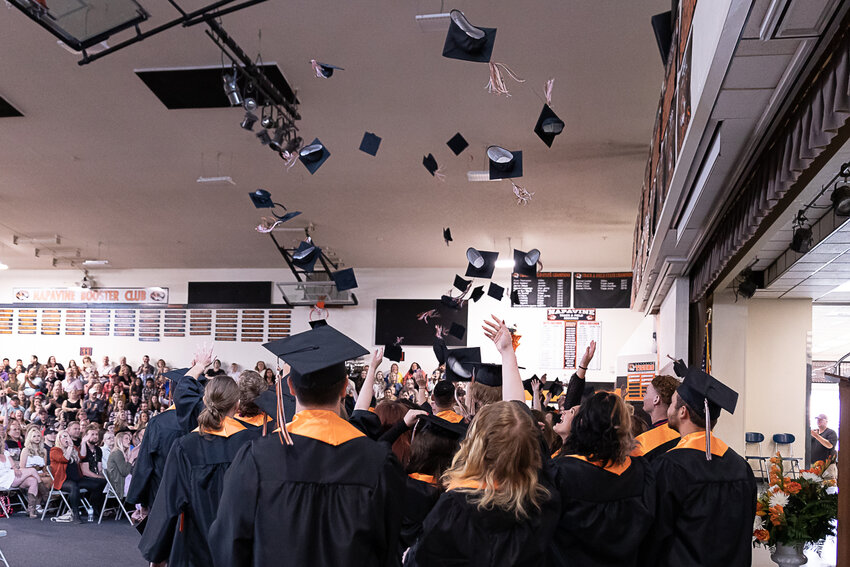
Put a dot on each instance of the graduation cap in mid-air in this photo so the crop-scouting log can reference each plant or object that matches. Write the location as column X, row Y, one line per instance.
column 318, row 323
column 458, row 363
column 462, row 284
column 262, row 199
column 496, row 291
column 481, row 263
column 430, row 164
column 477, row 293
column 526, row 384
column 525, row 263
column 548, row 125
column 554, row 387
column 441, row 351
column 314, row 156
column 504, row 164
column 305, row 255
column 370, row 143
column 324, row 70
column 487, row 373
column 344, row 279
column 467, row 42
column 457, row 331
column 394, row 353
column 457, row 144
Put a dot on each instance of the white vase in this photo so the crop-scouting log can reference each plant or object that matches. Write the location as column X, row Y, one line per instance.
column 789, row 556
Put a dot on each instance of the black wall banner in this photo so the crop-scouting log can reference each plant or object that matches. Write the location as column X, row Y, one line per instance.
column 547, row 289
column 602, row 290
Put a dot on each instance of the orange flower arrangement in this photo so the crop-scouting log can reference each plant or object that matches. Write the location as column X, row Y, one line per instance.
column 795, row 511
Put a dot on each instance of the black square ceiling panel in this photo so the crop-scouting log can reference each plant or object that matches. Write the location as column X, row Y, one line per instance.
column 202, row 87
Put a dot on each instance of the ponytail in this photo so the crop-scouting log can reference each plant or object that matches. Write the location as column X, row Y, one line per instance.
column 220, row 396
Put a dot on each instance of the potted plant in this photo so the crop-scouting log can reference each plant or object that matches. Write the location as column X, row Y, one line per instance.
column 795, row 512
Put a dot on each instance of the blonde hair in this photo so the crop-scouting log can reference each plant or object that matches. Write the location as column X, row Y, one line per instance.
column 119, row 444
column 220, row 396
column 69, row 452
column 501, row 453
column 35, row 448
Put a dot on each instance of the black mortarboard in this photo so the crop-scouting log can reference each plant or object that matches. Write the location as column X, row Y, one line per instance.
column 461, row 283
column 522, row 267
column 680, row 368
column 488, row 374
column 442, row 427
column 327, row 69
column 527, row 383
column 447, row 235
column 262, row 199
column 457, row 144
column 286, row 216
column 318, row 323
column 313, row 156
column 555, row 387
column 430, row 164
column 267, row 401
column 458, row 363
column 370, row 143
column 548, row 125
column 449, row 301
column 344, row 279
column 305, row 255
column 457, row 331
column 477, row 293
column 467, row 42
column 441, row 351
column 486, row 269
column 394, row 353
column 317, row 356
column 496, row 291
column 504, row 163
column 698, row 387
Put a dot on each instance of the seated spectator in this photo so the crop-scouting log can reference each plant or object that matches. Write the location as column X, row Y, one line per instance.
column 90, row 454
column 234, row 371
column 268, row 376
column 142, row 419
column 145, row 369
column 161, row 369
column 73, row 381
column 15, row 381
column 120, row 413
column 59, row 392
column 118, row 468
column 94, row 406
column 149, row 391
column 14, row 439
column 136, row 387
column 105, row 369
column 67, row 475
column 57, row 367
column 260, row 368
column 35, row 406
column 119, row 392
column 75, row 432
column 34, row 456
column 32, row 383
column 17, row 415
column 133, row 405
column 216, row 369
column 106, row 447
column 72, row 405
column 12, row 476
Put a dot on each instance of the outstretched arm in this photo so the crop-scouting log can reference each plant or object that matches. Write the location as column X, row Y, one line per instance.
column 498, row 332
column 365, row 397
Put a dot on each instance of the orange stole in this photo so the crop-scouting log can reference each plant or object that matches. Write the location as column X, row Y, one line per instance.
column 649, row 440
column 324, row 426
column 696, row 441
column 450, row 415
column 429, row 478
column 616, row 469
column 228, row 427
column 256, row 421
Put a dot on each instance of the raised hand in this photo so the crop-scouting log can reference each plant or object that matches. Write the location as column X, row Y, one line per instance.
column 204, row 354
column 412, row 415
column 376, row 358
column 498, row 332
column 588, row 354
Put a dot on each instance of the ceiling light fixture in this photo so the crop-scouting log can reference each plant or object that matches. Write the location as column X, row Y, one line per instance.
column 475, row 176
column 54, row 239
column 505, row 263
column 433, row 22
column 802, row 240
column 231, row 88
column 841, row 200
column 95, row 262
column 220, row 180
column 249, row 121
column 748, row 283
column 3, row 266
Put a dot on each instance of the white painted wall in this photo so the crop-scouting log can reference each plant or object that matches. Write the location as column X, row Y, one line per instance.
column 708, row 23
column 671, row 329
column 359, row 322
column 729, row 364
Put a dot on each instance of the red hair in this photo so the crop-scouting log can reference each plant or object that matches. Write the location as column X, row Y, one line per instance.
column 390, row 413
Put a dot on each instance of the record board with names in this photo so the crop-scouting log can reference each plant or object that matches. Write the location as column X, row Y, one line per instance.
column 602, row 290
column 547, row 289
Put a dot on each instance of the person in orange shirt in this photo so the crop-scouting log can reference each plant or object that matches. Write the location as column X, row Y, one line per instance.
column 660, row 438
column 443, row 402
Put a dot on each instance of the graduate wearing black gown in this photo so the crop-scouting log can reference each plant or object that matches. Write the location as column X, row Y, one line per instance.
column 706, row 507
column 188, row 499
column 160, row 434
column 607, row 497
column 333, row 497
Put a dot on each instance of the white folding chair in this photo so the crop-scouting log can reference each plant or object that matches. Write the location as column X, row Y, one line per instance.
column 111, row 493
column 3, row 557
column 16, row 498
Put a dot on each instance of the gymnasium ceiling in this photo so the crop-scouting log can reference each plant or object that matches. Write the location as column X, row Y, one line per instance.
column 99, row 160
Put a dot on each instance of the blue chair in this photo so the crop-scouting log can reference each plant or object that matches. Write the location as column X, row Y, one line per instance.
column 754, row 438
column 786, row 440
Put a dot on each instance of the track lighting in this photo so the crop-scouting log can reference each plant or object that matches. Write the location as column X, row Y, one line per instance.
column 231, row 89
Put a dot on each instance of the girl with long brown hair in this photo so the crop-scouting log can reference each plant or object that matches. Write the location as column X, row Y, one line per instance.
column 193, row 478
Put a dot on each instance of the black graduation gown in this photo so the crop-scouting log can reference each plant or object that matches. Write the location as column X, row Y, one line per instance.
column 604, row 516
column 189, row 401
column 456, row 534
column 188, row 499
column 705, row 508
column 335, row 503
column 367, row 422
column 160, row 434
column 419, row 498
column 656, row 441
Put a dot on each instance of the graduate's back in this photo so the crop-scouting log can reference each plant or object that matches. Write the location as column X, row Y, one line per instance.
column 334, row 497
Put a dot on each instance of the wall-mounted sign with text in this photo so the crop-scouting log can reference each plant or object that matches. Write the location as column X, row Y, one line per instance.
column 94, row 295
